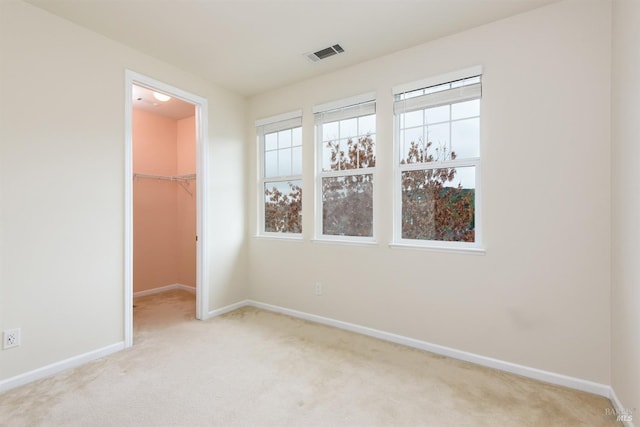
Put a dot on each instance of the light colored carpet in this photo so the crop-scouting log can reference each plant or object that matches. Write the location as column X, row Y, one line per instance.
column 256, row 368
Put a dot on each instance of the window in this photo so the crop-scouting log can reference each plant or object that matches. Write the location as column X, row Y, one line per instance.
column 346, row 134
column 438, row 148
column 280, row 187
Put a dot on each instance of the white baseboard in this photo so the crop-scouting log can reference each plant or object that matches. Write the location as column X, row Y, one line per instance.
column 164, row 289
column 55, row 368
column 537, row 374
column 525, row 371
column 228, row 308
column 622, row 411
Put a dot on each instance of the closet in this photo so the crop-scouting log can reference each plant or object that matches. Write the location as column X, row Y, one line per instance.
column 164, row 194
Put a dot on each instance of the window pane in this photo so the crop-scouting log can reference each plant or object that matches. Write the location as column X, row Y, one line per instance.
column 438, row 135
column 327, row 152
column 330, row 131
column 437, row 114
column 367, row 151
column 407, row 137
column 283, row 207
column 439, row 204
column 296, row 161
column 465, row 138
column 284, row 138
column 367, row 124
column 463, row 110
column 271, row 163
column 348, row 128
column 347, row 205
column 345, row 154
column 284, row 162
column 296, row 136
column 271, row 141
column 414, row 118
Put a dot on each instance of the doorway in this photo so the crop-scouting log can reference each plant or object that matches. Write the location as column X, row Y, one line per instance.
column 184, row 183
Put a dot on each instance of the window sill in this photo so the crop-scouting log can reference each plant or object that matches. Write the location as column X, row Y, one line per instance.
column 438, row 248
column 346, row 242
column 288, row 238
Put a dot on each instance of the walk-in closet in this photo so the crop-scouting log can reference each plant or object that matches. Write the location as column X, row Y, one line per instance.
column 164, row 193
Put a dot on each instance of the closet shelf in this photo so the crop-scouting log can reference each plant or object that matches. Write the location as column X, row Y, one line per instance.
column 179, row 178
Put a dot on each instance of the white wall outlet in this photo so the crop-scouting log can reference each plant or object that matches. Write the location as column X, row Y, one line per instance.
column 318, row 288
column 11, row 338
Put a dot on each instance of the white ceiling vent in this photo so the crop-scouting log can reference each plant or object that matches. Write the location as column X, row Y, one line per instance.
column 325, row 53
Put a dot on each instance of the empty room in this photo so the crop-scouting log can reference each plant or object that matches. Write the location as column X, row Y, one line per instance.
column 319, row 213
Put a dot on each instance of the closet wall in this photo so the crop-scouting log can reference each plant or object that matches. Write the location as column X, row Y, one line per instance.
column 164, row 212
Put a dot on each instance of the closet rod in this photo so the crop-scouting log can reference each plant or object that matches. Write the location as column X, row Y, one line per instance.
column 181, row 178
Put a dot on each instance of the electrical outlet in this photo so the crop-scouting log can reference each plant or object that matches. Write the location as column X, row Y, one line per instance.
column 11, row 338
column 318, row 288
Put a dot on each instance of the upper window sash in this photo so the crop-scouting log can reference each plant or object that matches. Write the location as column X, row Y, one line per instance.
column 344, row 103
column 362, row 109
column 280, row 122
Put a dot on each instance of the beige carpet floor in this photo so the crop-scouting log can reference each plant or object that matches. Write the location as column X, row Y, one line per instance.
column 256, row 368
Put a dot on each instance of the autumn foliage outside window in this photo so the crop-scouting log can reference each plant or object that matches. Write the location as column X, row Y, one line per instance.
column 348, row 160
column 439, row 133
column 282, row 177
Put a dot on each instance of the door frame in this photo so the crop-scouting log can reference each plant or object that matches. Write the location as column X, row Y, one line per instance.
column 201, row 119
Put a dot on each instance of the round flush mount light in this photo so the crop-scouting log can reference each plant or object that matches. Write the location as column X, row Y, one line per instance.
column 161, row 97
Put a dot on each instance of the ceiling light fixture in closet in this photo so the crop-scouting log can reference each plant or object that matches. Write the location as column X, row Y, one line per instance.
column 161, row 97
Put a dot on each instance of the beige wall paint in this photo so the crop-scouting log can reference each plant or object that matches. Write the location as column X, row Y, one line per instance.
column 625, row 304
column 540, row 295
column 62, row 177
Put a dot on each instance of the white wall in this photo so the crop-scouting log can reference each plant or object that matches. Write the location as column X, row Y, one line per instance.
column 540, row 296
column 62, row 177
column 625, row 304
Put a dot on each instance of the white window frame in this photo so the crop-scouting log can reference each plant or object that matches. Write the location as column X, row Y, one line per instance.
column 266, row 126
column 463, row 93
column 355, row 106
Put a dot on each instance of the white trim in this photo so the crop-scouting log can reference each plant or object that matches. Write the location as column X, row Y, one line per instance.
column 202, row 132
column 436, row 99
column 202, row 207
column 261, row 131
column 166, row 288
column 128, row 210
column 57, row 367
column 525, row 371
column 344, row 102
column 227, row 308
column 437, row 80
column 279, row 118
column 345, row 240
column 435, row 246
column 345, row 113
column 350, row 110
column 292, row 237
column 620, row 409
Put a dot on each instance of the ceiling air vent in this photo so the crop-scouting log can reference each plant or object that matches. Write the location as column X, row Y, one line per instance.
column 325, row 53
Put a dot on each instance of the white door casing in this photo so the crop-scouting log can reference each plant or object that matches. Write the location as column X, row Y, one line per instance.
column 201, row 117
